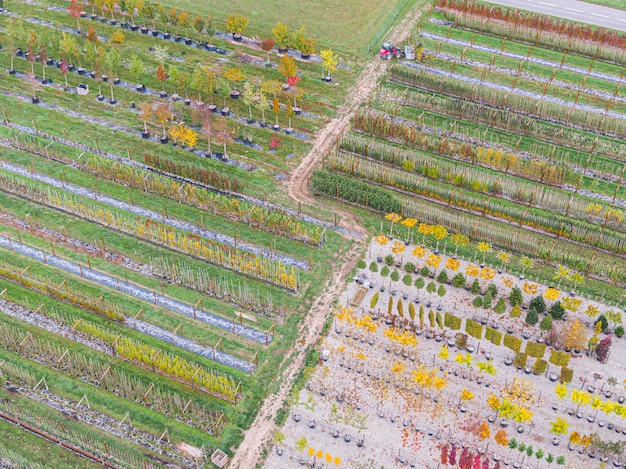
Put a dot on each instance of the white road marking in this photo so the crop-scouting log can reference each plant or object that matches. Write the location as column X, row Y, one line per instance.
column 574, row 9
column 599, row 16
column 622, row 20
column 546, row 4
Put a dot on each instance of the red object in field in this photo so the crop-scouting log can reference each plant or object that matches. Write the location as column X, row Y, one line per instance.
column 388, row 50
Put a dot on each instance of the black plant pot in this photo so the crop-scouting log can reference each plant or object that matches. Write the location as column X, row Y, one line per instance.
column 154, row 32
column 235, row 94
column 283, row 50
column 263, row 124
column 144, row 30
column 141, row 88
column 225, row 111
column 112, row 22
column 276, row 127
column 164, row 140
column 19, row 52
column 187, row 102
column 101, row 97
column 167, row 36
column 134, row 27
column 328, row 79
column 50, row 62
column 116, row 81
column 211, row 47
column 188, row 41
column 163, row 94
column 237, row 37
column 288, row 130
column 92, row 74
column 296, row 110
column 305, row 56
column 145, row 134
column 105, row 77
column 81, row 71
column 124, row 25
column 12, row 72
column 250, row 120
column 177, row 38
column 34, row 99
column 212, row 108
column 113, row 101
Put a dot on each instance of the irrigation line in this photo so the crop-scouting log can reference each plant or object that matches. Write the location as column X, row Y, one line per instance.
column 137, row 210
column 136, row 291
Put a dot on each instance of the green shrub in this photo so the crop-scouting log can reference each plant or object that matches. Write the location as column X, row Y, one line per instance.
column 361, row 264
column 333, row 185
column 442, row 277
column 494, row 336
column 556, row 311
column 619, row 332
column 374, row 266
column 474, row 329
column 438, row 320
column 475, row 288
column 395, row 276
column 431, row 287
column 409, row 267
column 560, row 460
column 384, row 271
column 491, row 288
column 538, row 304
column 419, row 283
column 604, row 323
column 487, row 300
column 566, row 375
column 424, row 271
column 500, row 307
column 374, row 300
column 431, row 318
column 458, row 280
column 421, row 315
column 461, row 340
column 516, row 311
column 546, row 323
column 478, row 302
column 400, row 308
column 412, row 312
column 407, row 280
column 452, row 321
column 532, row 317
column 512, row 342
column 441, row 291
column 520, row 360
column 540, row 367
column 559, row 358
column 389, row 260
column 516, row 298
column 535, row 350
column 390, row 306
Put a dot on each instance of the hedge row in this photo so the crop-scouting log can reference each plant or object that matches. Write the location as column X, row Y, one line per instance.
column 351, row 190
column 512, row 342
column 493, row 336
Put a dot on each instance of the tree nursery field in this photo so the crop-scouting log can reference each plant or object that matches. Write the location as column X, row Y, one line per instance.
column 232, row 235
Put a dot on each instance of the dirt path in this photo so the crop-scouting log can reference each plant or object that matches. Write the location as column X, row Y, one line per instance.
column 262, row 430
column 362, row 90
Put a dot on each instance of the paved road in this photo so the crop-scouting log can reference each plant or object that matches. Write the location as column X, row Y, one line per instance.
column 573, row 10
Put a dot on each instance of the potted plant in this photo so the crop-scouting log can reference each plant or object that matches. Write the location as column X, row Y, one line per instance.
column 234, row 76
column 236, row 25
column 145, row 112
column 282, row 37
column 329, row 62
column 136, row 70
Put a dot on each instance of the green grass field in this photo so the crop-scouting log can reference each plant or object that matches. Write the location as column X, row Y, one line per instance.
column 333, row 23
